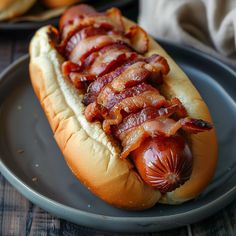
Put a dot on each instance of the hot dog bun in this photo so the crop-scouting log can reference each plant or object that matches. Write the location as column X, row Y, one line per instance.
column 93, row 156
column 89, row 153
column 12, row 8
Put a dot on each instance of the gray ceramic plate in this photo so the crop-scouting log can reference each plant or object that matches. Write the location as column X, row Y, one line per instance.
column 31, row 161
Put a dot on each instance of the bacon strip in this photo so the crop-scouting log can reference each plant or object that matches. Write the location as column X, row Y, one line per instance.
column 81, row 16
column 109, row 98
column 93, row 44
column 133, row 138
column 101, row 57
column 195, row 126
column 81, row 79
column 95, row 87
column 81, row 11
column 139, row 38
column 134, row 74
column 146, row 114
column 75, row 36
column 97, row 64
column 131, row 105
column 68, row 67
column 94, row 112
column 115, row 17
column 158, row 63
column 167, row 127
column 110, row 57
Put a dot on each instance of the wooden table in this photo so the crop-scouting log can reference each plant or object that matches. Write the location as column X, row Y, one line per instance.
column 18, row 216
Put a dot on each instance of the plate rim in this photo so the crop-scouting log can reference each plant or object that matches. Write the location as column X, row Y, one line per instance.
column 55, row 206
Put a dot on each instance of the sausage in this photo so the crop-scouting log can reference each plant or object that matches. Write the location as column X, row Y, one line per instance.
column 164, row 163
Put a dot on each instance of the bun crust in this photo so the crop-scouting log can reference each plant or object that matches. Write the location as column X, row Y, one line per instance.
column 12, row 8
column 93, row 156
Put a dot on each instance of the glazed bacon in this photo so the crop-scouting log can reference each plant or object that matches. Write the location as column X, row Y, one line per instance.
column 133, row 75
column 98, row 64
column 93, row 44
column 139, row 38
column 112, row 19
column 80, row 33
column 161, row 126
column 148, row 113
column 108, row 98
column 95, row 88
column 108, row 24
column 103, row 59
column 133, row 104
column 110, row 57
column 133, row 72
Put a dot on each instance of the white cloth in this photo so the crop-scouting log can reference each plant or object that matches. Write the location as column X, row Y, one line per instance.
column 209, row 25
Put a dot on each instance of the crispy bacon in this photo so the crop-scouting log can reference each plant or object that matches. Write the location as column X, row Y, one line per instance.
column 79, row 11
column 81, row 16
column 68, row 67
column 131, row 105
column 97, row 64
column 93, row 112
column 132, row 141
column 181, row 111
column 161, row 126
column 135, row 73
column 158, row 63
column 93, row 44
column 111, row 57
column 95, row 87
column 115, row 17
column 81, row 79
column 108, row 97
column 134, row 137
column 71, row 71
column 107, row 58
column 195, row 126
column 139, row 38
column 102, row 57
column 76, row 35
column 146, row 114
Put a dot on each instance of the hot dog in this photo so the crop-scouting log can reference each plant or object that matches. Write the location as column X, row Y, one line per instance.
column 126, row 126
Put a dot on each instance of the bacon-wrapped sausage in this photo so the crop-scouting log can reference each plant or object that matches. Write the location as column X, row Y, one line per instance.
column 128, row 92
column 129, row 89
